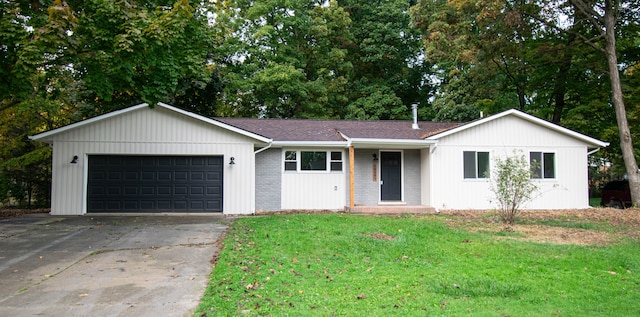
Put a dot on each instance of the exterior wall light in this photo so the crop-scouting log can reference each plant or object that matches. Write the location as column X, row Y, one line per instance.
column 232, row 161
column 74, row 160
column 375, row 157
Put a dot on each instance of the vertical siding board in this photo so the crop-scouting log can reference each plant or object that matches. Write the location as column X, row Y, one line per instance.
column 151, row 132
column 425, row 177
column 412, row 180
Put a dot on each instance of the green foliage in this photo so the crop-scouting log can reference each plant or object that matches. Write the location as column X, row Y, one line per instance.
column 512, row 185
column 344, row 265
column 62, row 61
column 139, row 51
column 282, row 59
column 387, row 55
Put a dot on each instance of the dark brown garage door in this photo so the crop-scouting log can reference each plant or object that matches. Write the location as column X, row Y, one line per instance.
column 154, row 183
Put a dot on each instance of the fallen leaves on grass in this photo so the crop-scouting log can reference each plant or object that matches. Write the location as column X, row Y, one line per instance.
column 477, row 220
column 380, row 236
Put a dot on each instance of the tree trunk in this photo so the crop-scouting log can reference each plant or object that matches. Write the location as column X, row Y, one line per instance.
column 618, row 103
column 560, row 87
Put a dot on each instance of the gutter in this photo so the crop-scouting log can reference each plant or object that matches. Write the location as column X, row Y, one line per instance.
column 264, row 148
column 594, row 151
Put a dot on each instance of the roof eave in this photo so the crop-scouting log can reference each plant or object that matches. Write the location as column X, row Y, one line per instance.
column 325, row 144
column 364, row 143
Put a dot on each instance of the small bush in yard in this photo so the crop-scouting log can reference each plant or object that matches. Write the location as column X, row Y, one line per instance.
column 512, row 185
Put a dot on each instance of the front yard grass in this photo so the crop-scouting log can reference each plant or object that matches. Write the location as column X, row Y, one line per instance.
column 350, row 265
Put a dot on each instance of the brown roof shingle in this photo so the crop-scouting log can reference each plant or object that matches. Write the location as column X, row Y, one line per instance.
column 328, row 130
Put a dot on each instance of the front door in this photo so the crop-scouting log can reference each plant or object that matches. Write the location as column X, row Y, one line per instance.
column 391, row 176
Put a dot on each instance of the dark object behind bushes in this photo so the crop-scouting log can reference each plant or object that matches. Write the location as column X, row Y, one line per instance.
column 616, row 194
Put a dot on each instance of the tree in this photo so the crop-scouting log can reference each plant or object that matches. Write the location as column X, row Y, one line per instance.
column 606, row 18
column 512, row 185
column 62, row 61
column 282, row 59
column 389, row 70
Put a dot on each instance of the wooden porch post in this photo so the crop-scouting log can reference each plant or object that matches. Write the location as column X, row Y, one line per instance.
column 351, row 178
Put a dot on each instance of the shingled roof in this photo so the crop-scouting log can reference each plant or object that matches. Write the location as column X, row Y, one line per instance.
column 330, row 130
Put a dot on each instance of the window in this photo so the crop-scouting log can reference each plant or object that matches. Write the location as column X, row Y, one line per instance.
column 336, row 161
column 543, row 165
column 290, row 161
column 476, row 164
column 312, row 161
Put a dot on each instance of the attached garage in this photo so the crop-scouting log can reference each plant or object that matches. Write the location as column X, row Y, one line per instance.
column 118, row 183
column 158, row 159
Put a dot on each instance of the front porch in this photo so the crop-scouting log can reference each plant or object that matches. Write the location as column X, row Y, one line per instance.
column 390, row 209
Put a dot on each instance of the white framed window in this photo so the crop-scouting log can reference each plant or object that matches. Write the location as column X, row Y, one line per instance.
column 290, row 161
column 336, row 161
column 309, row 161
column 476, row 164
column 543, row 165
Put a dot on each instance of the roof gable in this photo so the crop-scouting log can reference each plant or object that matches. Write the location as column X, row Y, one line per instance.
column 48, row 135
column 592, row 142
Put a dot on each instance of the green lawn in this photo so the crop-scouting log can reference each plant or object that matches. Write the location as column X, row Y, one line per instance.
column 348, row 265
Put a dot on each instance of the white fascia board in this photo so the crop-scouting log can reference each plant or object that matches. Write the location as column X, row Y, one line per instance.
column 326, row 144
column 392, row 143
column 44, row 135
column 587, row 139
column 216, row 123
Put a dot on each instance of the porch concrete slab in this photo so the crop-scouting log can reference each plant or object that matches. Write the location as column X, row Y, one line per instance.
column 391, row 210
column 105, row 265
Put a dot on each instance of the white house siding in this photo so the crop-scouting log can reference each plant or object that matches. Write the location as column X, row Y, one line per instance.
column 314, row 190
column 425, row 175
column 411, row 170
column 151, row 132
column 500, row 137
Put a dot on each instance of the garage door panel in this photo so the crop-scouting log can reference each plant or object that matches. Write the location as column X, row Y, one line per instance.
column 181, row 190
column 197, row 191
column 214, row 205
column 131, row 205
column 114, row 191
column 148, row 184
column 197, row 176
column 180, row 204
column 132, row 176
column 164, row 176
column 181, row 176
column 214, row 190
column 115, row 176
column 164, row 191
column 131, row 191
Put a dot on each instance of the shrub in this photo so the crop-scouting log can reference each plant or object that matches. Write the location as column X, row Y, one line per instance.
column 512, row 185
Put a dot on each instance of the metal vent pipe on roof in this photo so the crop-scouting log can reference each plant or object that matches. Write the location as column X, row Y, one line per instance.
column 414, row 109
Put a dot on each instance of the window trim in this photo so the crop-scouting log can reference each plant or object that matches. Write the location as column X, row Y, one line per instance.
column 298, row 161
column 476, row 165
column 542, row 169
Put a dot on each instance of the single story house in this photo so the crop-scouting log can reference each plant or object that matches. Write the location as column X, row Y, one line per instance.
column 164, row 159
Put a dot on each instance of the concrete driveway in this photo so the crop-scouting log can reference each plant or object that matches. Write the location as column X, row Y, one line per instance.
column 106, row 265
